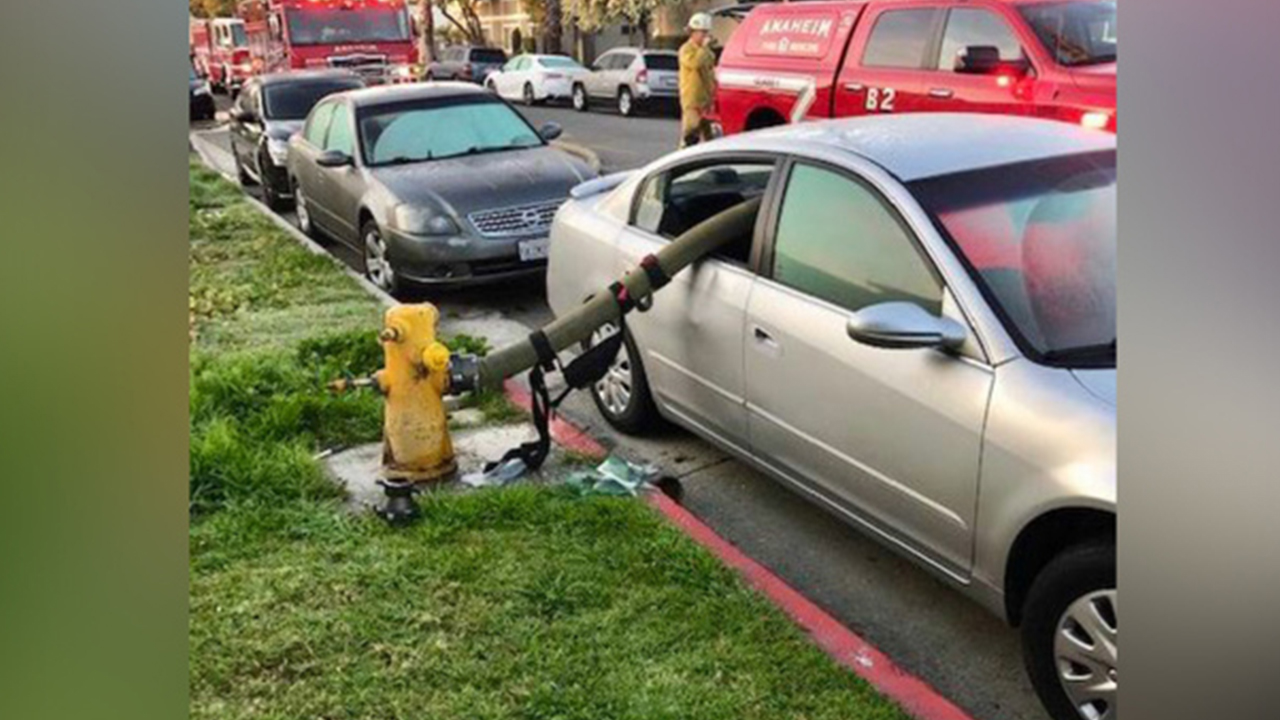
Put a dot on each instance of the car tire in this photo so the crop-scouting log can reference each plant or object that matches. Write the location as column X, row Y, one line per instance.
column 1069, row 631
column 377, row 266
column 271, row 195
column 429, row 77
column 623, row 396
column 626, row 102
column 530, row 99
column 305, row 222
column 580, row 101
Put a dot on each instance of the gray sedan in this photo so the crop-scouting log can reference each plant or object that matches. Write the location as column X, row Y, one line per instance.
column 438, row 183
column 919, row 335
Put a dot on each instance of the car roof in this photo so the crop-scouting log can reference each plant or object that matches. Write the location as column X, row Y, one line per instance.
column 306, row 76
column 382, row 94
column 921, row 145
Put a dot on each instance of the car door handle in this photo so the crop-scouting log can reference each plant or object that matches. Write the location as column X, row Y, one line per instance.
column 943, row 93
column 854, row 87
column 764, row 339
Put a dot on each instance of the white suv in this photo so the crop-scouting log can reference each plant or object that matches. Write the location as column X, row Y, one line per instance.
column 630, row 77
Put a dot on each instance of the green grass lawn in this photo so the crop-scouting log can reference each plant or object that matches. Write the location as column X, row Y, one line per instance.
column 528, row 602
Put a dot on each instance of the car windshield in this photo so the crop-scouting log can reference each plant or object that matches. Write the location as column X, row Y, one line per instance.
column 437, row 128
column 1040, row 239
column 558, row 62
column 488, row 56
column 239, row 37
column 322, row 26
column 1075, row 33
column 293, row 101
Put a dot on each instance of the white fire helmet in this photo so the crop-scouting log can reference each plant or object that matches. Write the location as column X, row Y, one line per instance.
column 700, row 21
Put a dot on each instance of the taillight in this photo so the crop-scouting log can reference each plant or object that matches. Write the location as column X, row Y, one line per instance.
column 642, row 77
column 466, row 69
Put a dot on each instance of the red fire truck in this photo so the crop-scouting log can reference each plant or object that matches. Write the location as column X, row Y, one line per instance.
column 374, row 38
column 220, row 51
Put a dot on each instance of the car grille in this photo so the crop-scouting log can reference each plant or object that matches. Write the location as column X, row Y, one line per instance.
column 369, row 65
column 512, row 221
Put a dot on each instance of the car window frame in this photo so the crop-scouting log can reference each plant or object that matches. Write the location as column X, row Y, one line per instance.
column 783, row 179
column 756, row 255
column 1009, row 23
column 356, row 151
column 933, row 40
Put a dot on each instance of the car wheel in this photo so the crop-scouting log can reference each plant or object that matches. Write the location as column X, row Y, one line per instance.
column 622, row 395
column 1069, row 634
column 626, row 104
column 302, row 206
column 377, row 266
column 529, row 97
column 579, row 98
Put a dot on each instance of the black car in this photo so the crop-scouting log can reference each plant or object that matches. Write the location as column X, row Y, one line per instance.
column 466, row 62
column 201, row 97
column 271, row 108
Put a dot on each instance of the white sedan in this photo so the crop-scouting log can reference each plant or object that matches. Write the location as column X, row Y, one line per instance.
column 535, row 79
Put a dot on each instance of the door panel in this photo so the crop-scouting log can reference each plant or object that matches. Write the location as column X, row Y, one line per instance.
column 885, row 70
column 950, row 91
column 894, row 436
column 691, row 340
column 342, row 187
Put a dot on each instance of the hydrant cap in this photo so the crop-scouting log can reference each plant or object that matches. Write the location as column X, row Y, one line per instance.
column 436, row 357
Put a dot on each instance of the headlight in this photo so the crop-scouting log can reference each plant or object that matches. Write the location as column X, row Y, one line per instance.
column 279, row 151
column 402, row 71
column 419, row 221
column 1095, row 120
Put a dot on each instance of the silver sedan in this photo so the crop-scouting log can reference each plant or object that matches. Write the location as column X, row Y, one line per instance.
column 919, row 335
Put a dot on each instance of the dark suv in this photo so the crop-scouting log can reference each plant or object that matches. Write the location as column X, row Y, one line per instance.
column 466, row 62
column 269, row 109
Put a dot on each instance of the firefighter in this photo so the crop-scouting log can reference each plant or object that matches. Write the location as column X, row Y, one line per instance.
column 697, row 82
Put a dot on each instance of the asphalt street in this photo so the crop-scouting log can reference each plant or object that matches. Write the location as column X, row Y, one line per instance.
column 927, row 628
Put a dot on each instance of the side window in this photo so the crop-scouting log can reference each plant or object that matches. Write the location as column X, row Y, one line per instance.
column 900, row 39
column 604, row 61
column 675, row 201
column 318, row 125
column 967, row 27
column 837, row 240
column 341, row 133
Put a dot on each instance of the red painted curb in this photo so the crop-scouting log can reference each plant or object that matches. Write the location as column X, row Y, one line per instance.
column 839, row 642
column 563, row 432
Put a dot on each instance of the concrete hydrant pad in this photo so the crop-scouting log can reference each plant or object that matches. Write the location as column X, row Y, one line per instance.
column 358, row 469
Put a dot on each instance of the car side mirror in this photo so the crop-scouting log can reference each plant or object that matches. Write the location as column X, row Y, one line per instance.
column 550, row 131
column 978, row 60
column 904, row 326
column 334, row 159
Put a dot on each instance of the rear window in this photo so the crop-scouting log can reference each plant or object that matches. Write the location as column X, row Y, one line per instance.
column 806, row 34
column 558, row 62
column 661, row 62
column 293, row 101
column 488, row 55
column 899, row 39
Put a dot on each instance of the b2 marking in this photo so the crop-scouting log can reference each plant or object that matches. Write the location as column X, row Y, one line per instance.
column 880, row 99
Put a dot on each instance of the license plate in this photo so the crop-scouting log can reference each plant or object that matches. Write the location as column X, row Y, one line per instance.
column 534, row 249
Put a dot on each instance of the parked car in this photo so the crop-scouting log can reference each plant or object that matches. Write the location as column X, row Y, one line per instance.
column 200, row 97
column 789, row 61
column 269, row 110
column 630, row 78
column 466, row 62
column 534, row 79
column 433, row 183
column 909, row 322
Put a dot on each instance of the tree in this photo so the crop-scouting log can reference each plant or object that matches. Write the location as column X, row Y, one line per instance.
column 548, row 18
column 592, row 15
column 469, row 26
column 212, row 8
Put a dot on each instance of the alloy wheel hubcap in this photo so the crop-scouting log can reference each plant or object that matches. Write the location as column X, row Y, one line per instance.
column 1084, row 651
column 615, row 388
column 578, row 99
column 376, row 264
column 624, row 103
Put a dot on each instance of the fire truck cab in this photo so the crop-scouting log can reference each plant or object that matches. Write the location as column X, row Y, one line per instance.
column 794, row 61
column 374, row 38
column 220, row 51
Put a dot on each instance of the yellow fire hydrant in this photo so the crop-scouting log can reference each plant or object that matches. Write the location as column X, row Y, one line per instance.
column 415, row 440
